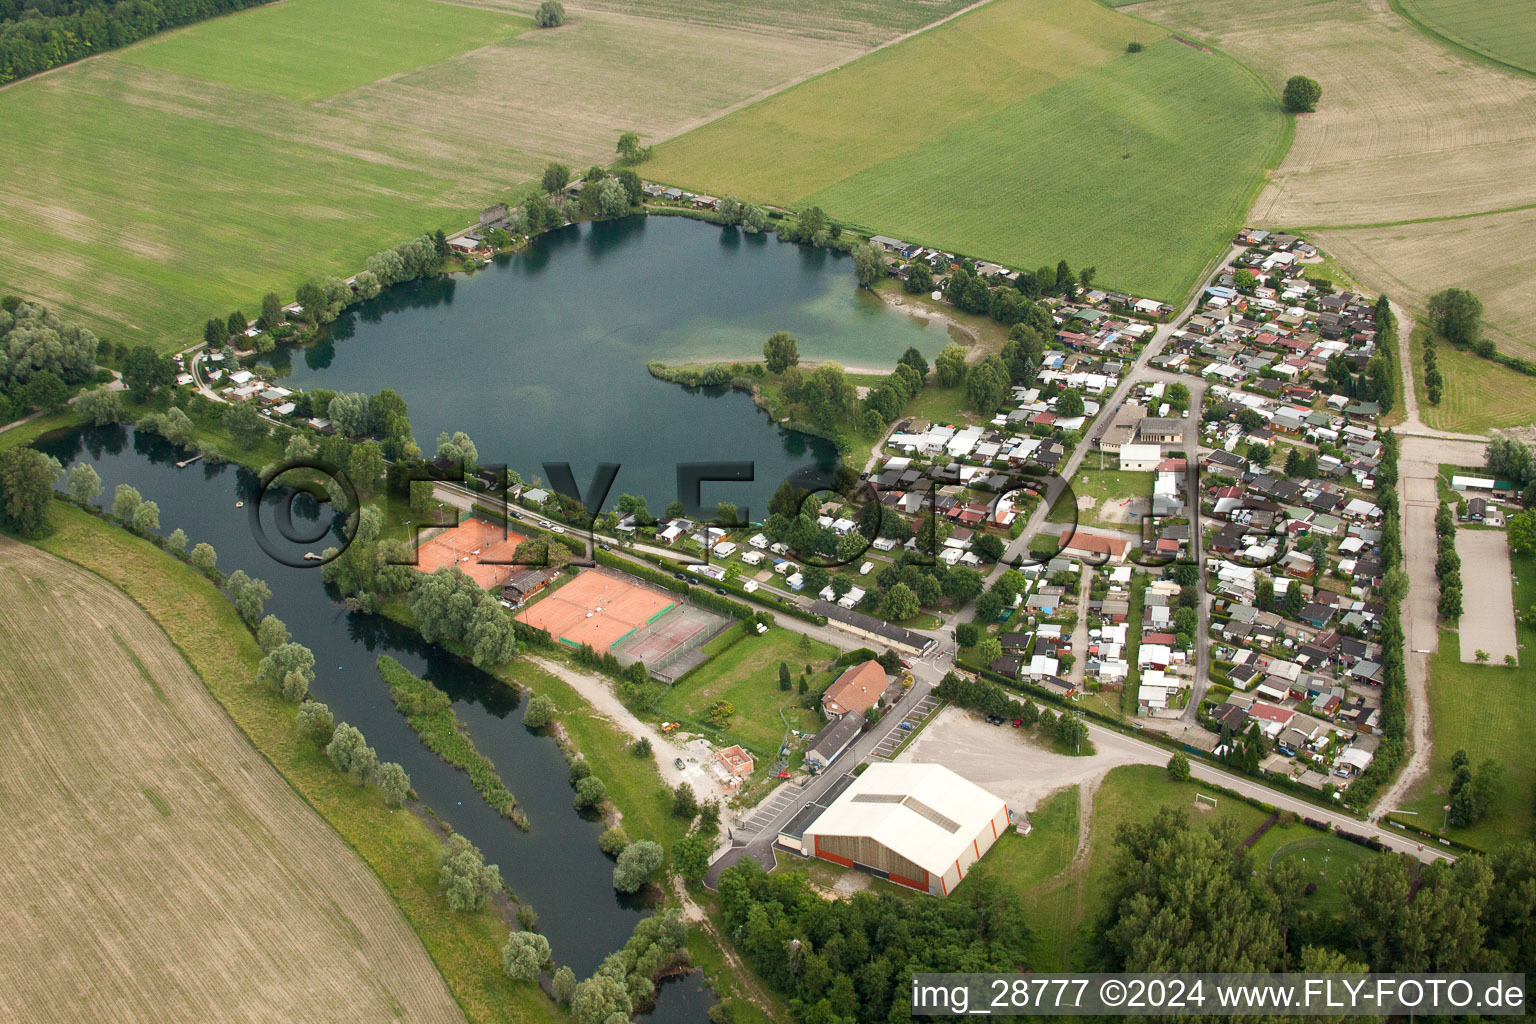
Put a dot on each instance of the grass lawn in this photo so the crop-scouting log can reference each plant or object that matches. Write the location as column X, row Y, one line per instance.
column 635, row 787
column 941, row 405
column 1499, row 29
column 30, row 431
column 1325, row 858
column 1102, row 484
column 1036, row 138
column 400, row 848
column 747, row 675
column 1490, row 712
column 304, row 50
column 1479, row 395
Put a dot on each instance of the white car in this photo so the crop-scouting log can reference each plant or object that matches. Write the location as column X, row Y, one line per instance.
column 558, row 529
column 544, row 523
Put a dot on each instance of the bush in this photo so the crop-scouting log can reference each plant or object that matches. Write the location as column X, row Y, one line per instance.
column 1178, row 767
column 642, row 747
column 539, row 712
column 589, row 793
column 1134, row 48
column 613, row 841
column 551, row 14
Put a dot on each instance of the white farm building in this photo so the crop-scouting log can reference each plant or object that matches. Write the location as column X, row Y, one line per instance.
column 919, row 825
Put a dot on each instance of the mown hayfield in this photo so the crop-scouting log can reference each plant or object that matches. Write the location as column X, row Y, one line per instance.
column 1460, row 696
column 1491, row 255
column 1451, row 133
column 1478, row 395
column 895, row 101
column 1501, row 29
column 860, row 22
column 295, row 50
column 1014, row 146
column 145, row 190
column 155, row 866
column 1049, row 178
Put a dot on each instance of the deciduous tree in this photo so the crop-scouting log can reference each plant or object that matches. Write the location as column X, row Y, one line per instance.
column 636, row 865
column 524, row 955
column 350, row 753
column 1301, row 94
column 781, row 352
column 466, row 878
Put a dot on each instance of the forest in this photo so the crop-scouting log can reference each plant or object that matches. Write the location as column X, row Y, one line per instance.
column 1183, row 897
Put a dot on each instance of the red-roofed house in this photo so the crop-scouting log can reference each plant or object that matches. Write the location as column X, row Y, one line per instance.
column 855, row 691
column 1094, row 546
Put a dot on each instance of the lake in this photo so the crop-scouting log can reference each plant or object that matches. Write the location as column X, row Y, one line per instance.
column 542, row 356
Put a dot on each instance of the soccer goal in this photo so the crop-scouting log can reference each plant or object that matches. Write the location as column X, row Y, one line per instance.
column 1201, row 798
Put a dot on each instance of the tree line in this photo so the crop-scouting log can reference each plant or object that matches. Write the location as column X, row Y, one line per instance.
column 1183, row 897
column 1456, row 315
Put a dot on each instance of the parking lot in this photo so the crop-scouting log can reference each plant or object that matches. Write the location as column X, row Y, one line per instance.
column 918, row 716
column 1008, row 762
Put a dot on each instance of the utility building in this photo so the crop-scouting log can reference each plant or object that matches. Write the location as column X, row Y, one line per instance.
column 919, row 825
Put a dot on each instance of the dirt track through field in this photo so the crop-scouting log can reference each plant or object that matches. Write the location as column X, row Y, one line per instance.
column 153, row 866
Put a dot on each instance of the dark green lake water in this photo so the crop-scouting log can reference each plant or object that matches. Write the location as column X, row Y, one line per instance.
column 542, row 357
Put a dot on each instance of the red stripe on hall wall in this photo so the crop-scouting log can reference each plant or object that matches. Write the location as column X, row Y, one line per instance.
column 910, row 882
column 993, row 823
column 834, row 858
column 976, row 849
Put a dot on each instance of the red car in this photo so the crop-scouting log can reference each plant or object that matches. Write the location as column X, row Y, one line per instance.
column 1018, row 723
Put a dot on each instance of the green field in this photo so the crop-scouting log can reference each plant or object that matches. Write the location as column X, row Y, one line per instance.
column 940, row 405
column 747, row 674
column 1478, row 396
column 1503, row 30
column 1034, row 138
column 864, row 22
column 1062, row 895
column 1102, row 485
column 152, row 187
column 1488, row 711
column 294, row 49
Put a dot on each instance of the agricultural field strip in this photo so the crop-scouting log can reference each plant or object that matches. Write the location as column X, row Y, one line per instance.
column 1453, row 134
column 860, row 22
column 237, row 191
column 861, row 143
column 1491, row 255
column 1501, row 30
column 122, row 771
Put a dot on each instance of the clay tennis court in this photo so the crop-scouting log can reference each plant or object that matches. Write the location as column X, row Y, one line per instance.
column 597, row 609
column 469, row 546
